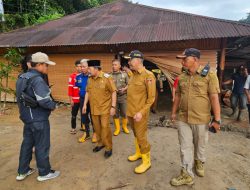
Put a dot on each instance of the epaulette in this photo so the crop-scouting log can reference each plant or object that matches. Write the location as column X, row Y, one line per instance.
column 106, row 75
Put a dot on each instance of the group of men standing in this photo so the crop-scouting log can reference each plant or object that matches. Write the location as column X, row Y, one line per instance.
column 130, row 95
column 101, row 95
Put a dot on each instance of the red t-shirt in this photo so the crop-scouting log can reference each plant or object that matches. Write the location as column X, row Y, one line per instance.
column 73, row 90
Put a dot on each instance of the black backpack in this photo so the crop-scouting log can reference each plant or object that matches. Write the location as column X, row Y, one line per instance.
column 23, row 97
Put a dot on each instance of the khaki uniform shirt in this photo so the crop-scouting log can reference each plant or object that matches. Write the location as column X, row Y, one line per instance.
column 141, row 92
column 194, row 90
column 121, row 80
column 100, row 91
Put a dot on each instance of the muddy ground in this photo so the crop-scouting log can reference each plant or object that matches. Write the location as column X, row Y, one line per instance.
column 228, row 159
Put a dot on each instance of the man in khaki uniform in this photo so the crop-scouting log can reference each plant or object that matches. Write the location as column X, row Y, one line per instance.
column 121, row 81
column 141, row 95
column 196, row 93
column 101, row 93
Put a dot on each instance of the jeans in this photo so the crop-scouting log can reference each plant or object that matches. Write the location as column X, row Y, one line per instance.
column 241, row 98
column 85, row 118
column 36, row 134
column 248, row 107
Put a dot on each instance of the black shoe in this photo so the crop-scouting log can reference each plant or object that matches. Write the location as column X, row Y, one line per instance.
column 98, row 148
column 107, row 154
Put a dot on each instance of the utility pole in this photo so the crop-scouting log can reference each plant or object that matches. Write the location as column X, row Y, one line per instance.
column 2, row 11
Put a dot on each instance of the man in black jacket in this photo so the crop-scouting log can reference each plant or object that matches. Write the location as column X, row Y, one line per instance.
column 35, row 105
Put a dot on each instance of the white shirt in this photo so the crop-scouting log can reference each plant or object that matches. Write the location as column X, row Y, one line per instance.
column 247, row 83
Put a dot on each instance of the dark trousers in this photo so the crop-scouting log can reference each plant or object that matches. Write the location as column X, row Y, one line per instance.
column 248, row 107
column 85, row 118
column 36, row 135
column 74, row 113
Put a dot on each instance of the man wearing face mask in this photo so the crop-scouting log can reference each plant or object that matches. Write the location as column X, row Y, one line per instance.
column 196, row 93
column 35, row 106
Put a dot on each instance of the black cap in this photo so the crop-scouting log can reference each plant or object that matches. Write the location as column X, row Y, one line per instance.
column 134, row 54
column 190, row 52
column 94, row 63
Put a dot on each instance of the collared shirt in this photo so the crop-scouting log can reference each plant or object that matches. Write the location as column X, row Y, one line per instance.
column 141, row 92
column 194, row 90
column 100, row 91
column 81, row 83
column 73, row 90
column 121, row 81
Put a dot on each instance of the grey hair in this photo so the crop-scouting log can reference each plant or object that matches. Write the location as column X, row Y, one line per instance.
column 84, row 61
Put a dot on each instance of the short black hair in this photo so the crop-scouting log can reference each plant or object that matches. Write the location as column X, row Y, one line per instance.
column 33, row 64
column 241, row 68
column 24, row 62
column 78, row 62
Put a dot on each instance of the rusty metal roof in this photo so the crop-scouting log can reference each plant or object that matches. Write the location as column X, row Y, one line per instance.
column 123, row 22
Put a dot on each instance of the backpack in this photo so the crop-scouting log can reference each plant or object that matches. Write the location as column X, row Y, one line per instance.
column 23, row 97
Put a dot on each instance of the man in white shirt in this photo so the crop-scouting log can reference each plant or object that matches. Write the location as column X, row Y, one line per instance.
column 247, row 92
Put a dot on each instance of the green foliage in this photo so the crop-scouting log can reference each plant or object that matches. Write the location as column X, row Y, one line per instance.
column 46, row 18
column 247, row 20
column 13, row 58
column 22, row 13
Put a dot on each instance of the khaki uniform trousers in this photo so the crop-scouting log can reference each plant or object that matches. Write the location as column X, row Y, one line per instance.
column 140, row 130
column 193, row 140
column 103, row 130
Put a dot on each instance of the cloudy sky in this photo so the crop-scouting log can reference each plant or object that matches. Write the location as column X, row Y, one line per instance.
column 225, row 9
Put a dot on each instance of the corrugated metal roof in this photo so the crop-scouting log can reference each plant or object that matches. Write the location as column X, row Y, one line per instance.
column 123, row 22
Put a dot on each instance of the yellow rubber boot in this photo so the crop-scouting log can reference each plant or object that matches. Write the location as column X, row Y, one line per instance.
column 94, row 139
column 146, row 164
column 124, row 125
column 83, row 128
column 137, row 154
column 117, row 126
column 83, row 138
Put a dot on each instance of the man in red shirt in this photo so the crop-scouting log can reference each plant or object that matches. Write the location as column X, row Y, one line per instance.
column 74, row 99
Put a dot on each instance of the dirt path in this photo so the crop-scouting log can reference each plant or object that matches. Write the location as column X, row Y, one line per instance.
column 228, row 163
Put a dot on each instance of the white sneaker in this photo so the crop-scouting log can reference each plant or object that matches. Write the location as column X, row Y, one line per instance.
column 53, row 174
column 21, row 177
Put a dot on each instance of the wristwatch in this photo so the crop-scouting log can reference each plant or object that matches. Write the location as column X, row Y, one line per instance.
column 218, row 122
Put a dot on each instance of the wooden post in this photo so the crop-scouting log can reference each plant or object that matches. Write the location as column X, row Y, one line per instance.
column 222, row 60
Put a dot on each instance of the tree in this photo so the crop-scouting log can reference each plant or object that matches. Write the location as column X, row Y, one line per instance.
column 246, row 20
column 22, row 13
column 12, row 62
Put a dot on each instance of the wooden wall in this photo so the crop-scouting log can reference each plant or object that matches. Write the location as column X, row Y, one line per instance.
column 58, row 75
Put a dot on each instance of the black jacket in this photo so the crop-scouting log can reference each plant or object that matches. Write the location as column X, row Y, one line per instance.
column 39, row 90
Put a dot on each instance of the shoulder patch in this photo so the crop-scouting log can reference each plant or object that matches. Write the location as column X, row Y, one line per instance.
column 106, row 75
column 149, row 72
